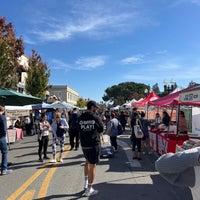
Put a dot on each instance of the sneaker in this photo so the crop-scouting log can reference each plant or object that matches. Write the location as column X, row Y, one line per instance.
column 85, row 185
column 40, row 159
column 90, row 192
column 53, row 161
column 7, row 171
column 60, row 160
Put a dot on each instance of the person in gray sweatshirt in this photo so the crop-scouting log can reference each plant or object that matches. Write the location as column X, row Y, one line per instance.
column 182, row 169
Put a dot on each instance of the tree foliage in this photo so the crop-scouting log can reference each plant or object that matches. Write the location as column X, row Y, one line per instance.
column 81, row 103
column 119, row 94
column 11, row 48
column 38, row 76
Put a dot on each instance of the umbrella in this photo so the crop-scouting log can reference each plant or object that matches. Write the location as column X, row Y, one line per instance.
column 13, row 98
column 60, row 105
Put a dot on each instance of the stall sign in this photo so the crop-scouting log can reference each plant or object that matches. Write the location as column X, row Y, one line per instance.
column 11, row 135
column 17, row 113
column 192, row 96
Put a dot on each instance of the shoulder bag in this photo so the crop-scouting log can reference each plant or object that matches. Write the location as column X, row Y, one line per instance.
column 137, row 130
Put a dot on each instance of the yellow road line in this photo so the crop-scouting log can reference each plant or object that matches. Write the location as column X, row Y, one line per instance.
column 28, row 195
column 24, row 186
column 45, row 183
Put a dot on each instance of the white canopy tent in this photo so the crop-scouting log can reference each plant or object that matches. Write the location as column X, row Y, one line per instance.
column 60, row 105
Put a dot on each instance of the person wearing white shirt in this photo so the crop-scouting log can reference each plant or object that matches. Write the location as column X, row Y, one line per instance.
column 43, row 137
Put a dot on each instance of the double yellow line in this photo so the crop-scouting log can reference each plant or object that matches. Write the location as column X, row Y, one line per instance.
column 45, row 184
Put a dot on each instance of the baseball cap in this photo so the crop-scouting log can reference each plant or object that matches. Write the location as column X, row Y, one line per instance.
column 92, row 103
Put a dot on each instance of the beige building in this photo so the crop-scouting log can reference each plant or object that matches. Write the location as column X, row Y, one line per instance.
column 64, row 93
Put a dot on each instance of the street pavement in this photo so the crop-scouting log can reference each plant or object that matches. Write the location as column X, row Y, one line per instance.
column 117, row 178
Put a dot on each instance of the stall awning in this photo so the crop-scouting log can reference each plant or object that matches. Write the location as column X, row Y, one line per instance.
column 151, row 97
column 166, row 101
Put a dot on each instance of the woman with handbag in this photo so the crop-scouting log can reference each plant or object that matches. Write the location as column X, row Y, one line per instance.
column 136, row 136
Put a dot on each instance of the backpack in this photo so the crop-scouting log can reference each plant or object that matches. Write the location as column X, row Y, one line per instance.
column 119, row 128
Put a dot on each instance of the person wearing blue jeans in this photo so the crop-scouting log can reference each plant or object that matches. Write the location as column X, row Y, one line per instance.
column 3, row 143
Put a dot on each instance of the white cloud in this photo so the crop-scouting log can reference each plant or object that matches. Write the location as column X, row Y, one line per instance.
column 161, row 52
column 178, row 2
column 99, row 18
column 83, row 63
column 197, row 2
column 136, row 59
column 58, row 64
column 89, row 63
column 168, row 66
column 158, row 72
column 27, row 40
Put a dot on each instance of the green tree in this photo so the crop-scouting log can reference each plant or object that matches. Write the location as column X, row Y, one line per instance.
column 38, row 76
column 119, row 94
column 11, row 48
column 81, row 103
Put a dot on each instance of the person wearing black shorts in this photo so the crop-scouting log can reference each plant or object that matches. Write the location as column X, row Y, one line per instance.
column 90, row 129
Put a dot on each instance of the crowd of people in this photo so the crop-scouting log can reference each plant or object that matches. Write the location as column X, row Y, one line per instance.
column 86, row 128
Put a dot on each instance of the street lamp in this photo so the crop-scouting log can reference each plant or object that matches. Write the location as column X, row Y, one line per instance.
column 169, row 87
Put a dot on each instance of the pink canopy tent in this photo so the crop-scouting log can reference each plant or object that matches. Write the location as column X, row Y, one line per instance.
column 187, row 96
column 166, row 101
column 152, row 96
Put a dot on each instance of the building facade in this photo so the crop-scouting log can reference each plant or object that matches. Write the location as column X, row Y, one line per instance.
column 64, row 93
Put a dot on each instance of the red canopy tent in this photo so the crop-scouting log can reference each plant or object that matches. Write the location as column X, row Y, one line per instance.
column 170, row 100
column 152, row 96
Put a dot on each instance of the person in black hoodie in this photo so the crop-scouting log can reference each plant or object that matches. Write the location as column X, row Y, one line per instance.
column 73, row 129
column 90, row 128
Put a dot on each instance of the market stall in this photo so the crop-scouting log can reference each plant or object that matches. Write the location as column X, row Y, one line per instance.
column 164, row 140
column 191, row 97
column 12, row 114
column 143, row 105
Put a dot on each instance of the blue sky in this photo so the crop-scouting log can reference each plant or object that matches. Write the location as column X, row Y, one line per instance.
column 91, row 45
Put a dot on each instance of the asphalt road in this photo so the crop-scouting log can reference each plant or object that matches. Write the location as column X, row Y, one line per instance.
column 117, row 178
